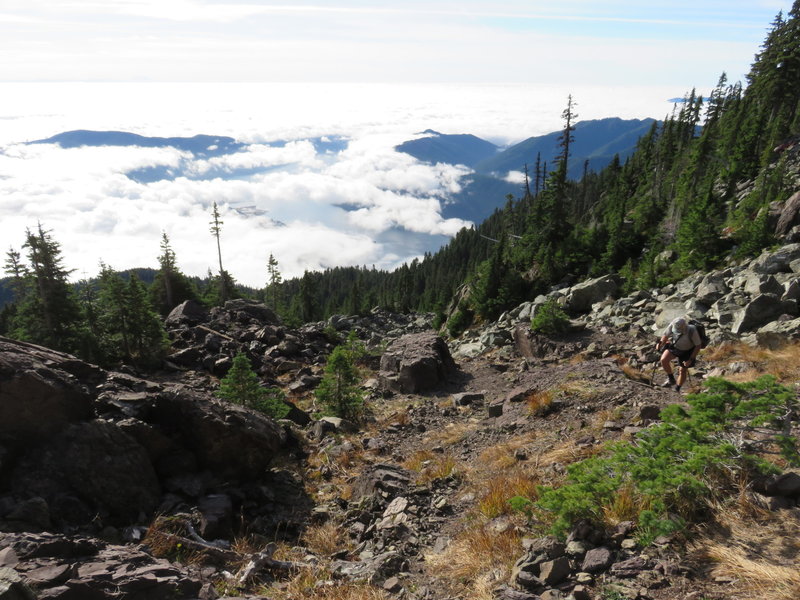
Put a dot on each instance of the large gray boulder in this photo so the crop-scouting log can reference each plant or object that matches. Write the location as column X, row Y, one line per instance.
column 711, row 289
column 776, row 334
column 97, row 463
column 39, row 394
column 187, row 313
column 580, row 297
column 760, row 311
column 225, row 438
column 777, row 261
column 416, row 362
column 253, row 310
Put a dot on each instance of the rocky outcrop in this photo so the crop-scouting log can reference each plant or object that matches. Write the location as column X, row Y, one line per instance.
column 66, row 568
column 416, row 363
column 87, row 448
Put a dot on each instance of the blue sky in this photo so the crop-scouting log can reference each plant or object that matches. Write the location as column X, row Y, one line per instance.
column 615, row 41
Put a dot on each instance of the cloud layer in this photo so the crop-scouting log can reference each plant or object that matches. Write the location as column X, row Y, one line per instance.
column 317, row 185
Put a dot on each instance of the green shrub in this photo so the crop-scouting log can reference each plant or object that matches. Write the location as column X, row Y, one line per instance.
column 549, row 319
column 242, row 386
column 338, row 391
column 672, row 468
column 459, row 321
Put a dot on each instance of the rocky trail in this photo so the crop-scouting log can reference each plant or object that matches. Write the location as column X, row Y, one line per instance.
column 126, row 485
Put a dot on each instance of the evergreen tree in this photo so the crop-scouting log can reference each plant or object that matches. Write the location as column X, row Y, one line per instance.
column 274, row 281
column 132, row 332
column 47, row 312
column 242, row 386
column 338, row 391
column 170, row 286
column 216, row 228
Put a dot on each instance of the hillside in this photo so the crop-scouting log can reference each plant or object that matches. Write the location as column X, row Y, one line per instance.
column 415, row 496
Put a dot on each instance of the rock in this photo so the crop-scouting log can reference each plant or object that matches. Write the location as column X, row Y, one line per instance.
column 374, row 571
column 253, row 310
column 776, row 262
column 553, row 572
column 187, row 313
column 416, row 363
column 631, row 567
column 12, row 586
column 507, row 593
column 79, row 567
column 763, row 284
column 467, row 398
column 577, row 549
column 549, row 546
column 761, row 310
column 597, row 560
column 494, row 410
column 96, row 462
column 216, row 517
column 580, row 297
column 777, row 334
column 579, row 592
column 39, row 396
column 393, row 585
column 34, row 512
column 225, row 438
column 529, row 344
column 711, row 289
column 382, row 481
column 789, row 215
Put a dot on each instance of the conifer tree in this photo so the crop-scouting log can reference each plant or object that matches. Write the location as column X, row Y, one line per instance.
column 274, row 281
column 338, row 391
column 242, row 386
column 170, row 286
column 48, row 312
column 216, row 228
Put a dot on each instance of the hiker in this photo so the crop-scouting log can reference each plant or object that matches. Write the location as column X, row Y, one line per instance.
column 682, row 341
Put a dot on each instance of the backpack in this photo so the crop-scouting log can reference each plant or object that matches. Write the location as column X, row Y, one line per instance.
column 701, row 331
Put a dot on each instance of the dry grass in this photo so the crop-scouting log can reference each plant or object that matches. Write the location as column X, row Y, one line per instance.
column 430, row 466
column 452, row 434
column 476, row 560
column 325, row 539
column 502, row 456
column 493, row 501
column 539, row 402
column 164, row 537
column 783, row 363
column 315, row 585
column 757, row 547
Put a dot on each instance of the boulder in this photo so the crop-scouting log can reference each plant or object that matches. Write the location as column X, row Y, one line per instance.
column 761, row 310
column 776, row 334
column 375, row 570
column 187, row 313
column 39, row 396
column 711, row 289
column 597, row 560
column 531, row 345
column 381, row 482
column 253, row 310
column 227, row 439
column 96, row 462
column 758, row 283
column 777, row 261
column 416, row 363
column 789, row 216
column 580, row 297
column 12, row 587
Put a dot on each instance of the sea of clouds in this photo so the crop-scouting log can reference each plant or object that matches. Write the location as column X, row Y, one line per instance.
column 285, row 192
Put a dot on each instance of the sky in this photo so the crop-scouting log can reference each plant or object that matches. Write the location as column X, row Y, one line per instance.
column 276, row 75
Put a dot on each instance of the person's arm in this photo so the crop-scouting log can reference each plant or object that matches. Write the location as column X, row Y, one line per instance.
column 662, row 342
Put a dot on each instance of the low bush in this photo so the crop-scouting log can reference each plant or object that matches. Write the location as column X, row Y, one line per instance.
column 549, row 319
column 667, row 472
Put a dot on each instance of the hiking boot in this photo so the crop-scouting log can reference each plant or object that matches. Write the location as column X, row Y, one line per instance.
column 678, row 388
column 669, row 382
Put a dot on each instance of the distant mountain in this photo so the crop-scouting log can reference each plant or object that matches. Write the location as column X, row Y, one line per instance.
column 199, row 145
column 458, row 149
column 597, row 140
column 485, row 190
